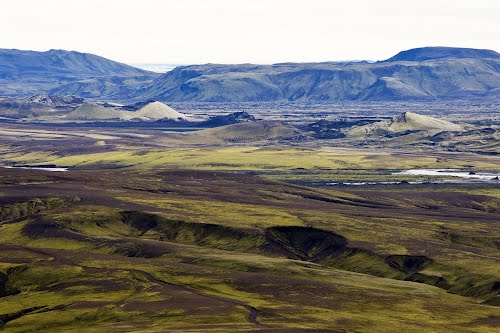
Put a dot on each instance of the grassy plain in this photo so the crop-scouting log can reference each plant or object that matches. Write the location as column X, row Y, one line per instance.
column 257, row 158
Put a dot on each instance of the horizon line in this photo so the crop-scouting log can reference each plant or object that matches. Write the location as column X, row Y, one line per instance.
column 131, row 63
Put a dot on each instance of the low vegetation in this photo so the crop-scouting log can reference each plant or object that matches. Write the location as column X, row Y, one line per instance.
column 158, row 250
column 17, row 210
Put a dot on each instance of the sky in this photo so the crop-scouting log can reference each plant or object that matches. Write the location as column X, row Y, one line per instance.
column 247, row 31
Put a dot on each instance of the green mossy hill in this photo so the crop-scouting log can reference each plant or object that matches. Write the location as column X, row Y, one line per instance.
column 246, row 132
column 294, row 242
column 19, row 210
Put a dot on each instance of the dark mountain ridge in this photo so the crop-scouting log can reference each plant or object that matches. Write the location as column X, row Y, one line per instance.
column 440, row 52
column 60, row 62
column 31, row 72
column 435, row 73
column 457, row 79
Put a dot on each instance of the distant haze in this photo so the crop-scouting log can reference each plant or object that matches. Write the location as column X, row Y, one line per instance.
column 157, row 68
column 240, row 31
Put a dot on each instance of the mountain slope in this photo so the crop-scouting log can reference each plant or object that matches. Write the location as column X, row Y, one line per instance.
column 21, row 63
column 30, row 72
column 106, row 87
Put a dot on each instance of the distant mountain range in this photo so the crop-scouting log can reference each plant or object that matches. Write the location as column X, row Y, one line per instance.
column 419, row 74
column 432, row 73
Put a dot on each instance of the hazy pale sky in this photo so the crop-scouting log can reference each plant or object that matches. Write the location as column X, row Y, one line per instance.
column 237, row 31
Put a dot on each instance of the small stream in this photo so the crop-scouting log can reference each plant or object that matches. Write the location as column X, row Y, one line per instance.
column 454, row 176
column 45, row 168
column 451, row 173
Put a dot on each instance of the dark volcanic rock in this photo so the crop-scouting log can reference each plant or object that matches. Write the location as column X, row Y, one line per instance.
column 215, row 121
column 232, row 118
column 325, row 129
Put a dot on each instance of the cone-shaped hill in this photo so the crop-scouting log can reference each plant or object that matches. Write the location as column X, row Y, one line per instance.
column 142, row 111
column 405, row 122
column 410, row 121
